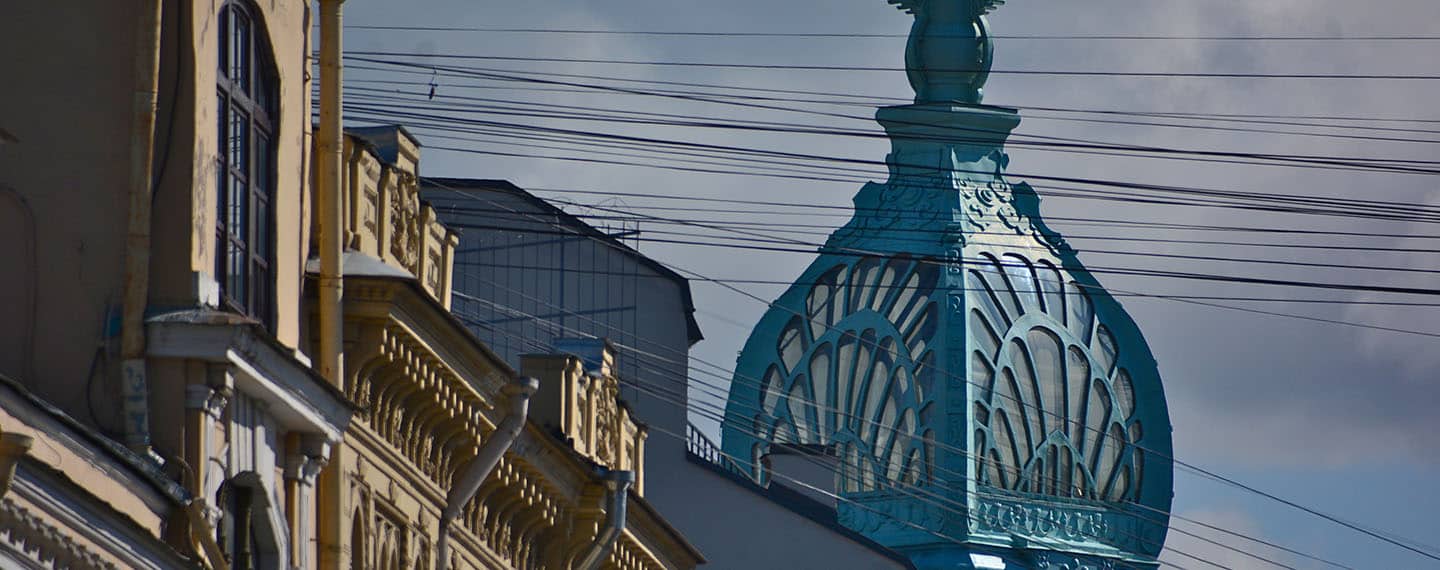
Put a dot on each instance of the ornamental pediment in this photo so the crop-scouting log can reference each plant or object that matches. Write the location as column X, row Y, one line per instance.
column 383, row 214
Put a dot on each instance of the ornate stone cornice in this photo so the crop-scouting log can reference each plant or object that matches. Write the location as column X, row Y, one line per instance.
column 43, row 543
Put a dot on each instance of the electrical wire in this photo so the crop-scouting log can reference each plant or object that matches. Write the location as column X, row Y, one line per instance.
column 916, row 492
column 1351, row 204
column 717, row 415
column 846, row 35
column 951, row 134
column 1386, row 537
column 1358, row 164
column 859, row 68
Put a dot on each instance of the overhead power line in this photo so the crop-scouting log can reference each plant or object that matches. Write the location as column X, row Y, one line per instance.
column 724, row 374
column 488, row 106
column 412, row 116
column 868, row 100
column 847, row 211
column 842, row 35
column 709, row 410
column 1381, row 209
column 1093, row 189
column 1386, row 537
column 857, row 68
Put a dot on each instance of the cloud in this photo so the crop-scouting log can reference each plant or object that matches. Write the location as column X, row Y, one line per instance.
column 1244, row 388
column 1200, row 550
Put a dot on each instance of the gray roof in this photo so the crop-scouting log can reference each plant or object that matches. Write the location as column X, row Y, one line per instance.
column 692, row 327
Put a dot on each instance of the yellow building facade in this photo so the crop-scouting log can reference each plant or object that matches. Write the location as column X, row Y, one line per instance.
column 430, row 395
column 162, row 401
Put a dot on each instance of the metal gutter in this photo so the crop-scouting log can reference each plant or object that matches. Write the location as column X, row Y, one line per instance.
column 479, row 468
column 134, row 385
column 617, row 484
column 329, row 141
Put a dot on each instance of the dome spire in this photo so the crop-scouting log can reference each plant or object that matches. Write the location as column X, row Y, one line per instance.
column 949, row 53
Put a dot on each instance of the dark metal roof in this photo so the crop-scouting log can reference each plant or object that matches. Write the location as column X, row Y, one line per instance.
column 693, row 327
column 142, row 467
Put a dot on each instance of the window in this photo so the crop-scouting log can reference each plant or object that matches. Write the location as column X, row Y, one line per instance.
column 236, row 532
column 250, row 531
column 246, row 111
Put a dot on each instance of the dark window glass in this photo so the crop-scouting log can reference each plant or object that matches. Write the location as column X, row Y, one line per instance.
column 245, row 181
column 240, row 50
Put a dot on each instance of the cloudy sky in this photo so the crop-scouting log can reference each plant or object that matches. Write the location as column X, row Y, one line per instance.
column 1336, row 417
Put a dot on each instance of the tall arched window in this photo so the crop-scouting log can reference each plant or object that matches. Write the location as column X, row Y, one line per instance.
column 247, row 111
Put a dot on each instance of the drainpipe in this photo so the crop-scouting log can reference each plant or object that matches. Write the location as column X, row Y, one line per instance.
column 464, row 488
column 328, row 184
column 133, row 389
column 618, row 484
column 202, row 533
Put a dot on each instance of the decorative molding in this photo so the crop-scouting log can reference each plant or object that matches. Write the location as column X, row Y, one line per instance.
column 210, row 401
column 45, row 545
column 405, row 223
column 1040, row 520
column 1058, row 561
column 304, row 468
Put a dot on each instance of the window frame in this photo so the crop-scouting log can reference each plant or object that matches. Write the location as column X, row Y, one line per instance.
column 247, row 110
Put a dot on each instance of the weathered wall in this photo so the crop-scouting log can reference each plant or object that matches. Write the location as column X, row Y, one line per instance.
column 739, row 529
column 70, row 105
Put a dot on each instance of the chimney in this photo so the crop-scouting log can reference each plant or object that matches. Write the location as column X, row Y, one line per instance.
column 597, row 354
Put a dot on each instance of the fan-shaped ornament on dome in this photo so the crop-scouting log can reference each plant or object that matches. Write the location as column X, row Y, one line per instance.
column 855, row 370
column 1055, row 412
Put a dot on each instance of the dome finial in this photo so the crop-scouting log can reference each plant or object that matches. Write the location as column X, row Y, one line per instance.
column 948, row 56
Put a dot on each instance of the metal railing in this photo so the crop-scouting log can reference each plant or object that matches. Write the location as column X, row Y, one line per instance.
column 700, row 446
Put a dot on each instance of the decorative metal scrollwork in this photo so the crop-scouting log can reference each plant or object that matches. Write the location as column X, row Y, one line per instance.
column 1055, row 412
column 857, row 371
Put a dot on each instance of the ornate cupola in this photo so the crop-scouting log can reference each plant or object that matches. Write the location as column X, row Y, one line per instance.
column 984, row 401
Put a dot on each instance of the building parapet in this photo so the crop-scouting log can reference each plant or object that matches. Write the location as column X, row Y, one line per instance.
column 580, row 399
column 384, row 216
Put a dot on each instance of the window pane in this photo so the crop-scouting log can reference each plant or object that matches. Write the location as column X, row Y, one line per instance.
column 261, row 176
column 240, row 51
column 221, row 116
column 1046, row 349
column 236, row 202
column 264, row 91
column 259, row 294
column 239, row 143
column 235, row 279
column 260, row 243
column 224, row 60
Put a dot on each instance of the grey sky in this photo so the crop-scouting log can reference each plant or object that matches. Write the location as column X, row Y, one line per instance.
column 1336, row 417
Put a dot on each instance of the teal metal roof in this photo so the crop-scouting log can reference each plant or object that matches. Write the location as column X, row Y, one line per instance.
column 984, row 392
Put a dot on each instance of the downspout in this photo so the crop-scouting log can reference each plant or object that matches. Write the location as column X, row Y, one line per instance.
column 465, row 486
column 202, row 533
column 617, row 483
column 328, row 183
column 133, row 383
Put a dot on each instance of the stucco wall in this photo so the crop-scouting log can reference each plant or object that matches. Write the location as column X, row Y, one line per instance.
column 68, row 103
column 738, row 529
column 68, row 99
